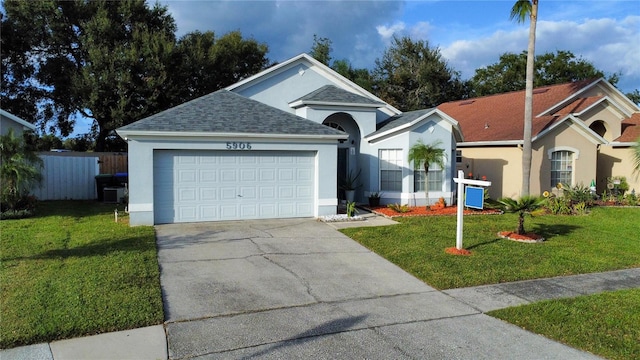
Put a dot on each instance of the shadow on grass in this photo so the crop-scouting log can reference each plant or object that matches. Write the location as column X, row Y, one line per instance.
column 74, row 208
column 98, row 248
column 489, row 242
column 549, row 231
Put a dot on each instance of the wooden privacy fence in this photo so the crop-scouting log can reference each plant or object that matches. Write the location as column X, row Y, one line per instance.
column 71, row 175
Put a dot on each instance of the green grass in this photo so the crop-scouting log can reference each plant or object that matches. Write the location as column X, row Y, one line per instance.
column 72, row 271
column 604, row 240
column 604, row 324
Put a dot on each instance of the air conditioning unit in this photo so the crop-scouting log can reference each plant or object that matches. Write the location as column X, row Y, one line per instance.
column 113, row 194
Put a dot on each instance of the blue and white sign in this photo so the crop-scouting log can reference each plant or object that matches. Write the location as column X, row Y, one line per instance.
column 474, row 197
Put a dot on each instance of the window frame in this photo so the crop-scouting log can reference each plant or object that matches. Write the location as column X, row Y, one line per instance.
column 397, row 163
column 435, row 184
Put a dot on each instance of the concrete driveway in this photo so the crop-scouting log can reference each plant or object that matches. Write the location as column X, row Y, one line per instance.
column 297, row 288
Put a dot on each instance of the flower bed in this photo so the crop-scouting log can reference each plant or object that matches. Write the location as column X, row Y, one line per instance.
column 423, row 211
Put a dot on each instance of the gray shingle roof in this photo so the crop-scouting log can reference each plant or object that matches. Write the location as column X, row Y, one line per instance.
column 333, row 94
column 226, row 112
column 399, row 120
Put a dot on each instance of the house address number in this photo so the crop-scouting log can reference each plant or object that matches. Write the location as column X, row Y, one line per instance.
column 233, row 145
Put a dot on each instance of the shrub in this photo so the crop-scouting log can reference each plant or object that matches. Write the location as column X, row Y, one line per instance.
column 398, row 208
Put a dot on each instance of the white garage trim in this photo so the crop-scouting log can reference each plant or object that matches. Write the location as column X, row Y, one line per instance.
column 210, row 185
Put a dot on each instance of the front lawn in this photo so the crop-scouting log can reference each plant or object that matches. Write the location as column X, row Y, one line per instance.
column 604, row 324
column 604, row 240
column 72, row 271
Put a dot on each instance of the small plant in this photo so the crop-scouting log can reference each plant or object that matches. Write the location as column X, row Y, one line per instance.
column 526, row 205
column 399, row 208
column 351, row 208
column 441, row 204
column 350, row 182
column 374, row 199
column 580, row 208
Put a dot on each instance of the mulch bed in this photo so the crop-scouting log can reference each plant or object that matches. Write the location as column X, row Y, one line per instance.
column 422, row 211
column 526, row 238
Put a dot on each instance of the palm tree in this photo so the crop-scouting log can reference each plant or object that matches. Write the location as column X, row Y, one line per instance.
column 421, row 153
column 523, row 206
column 636, row 157
column 19, row 169
column 520, row 11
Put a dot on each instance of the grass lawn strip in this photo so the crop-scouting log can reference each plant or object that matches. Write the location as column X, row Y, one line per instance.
column 604, row 240
column 72, row 271
column 604, row 324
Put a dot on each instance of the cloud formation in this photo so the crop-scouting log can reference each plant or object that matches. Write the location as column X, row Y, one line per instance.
column 361, row 30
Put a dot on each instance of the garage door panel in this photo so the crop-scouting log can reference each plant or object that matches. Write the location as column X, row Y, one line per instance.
column 209, row 212
column 208, row 176
column 286, row 192
column 228, row 193
column 266, row 175
column 193, row 186
column 267, row 193
column 228, row 175
column 285, row 175
column 248, row 175
column 208, row 194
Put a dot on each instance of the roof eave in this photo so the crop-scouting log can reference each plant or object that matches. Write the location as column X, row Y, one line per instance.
column 596, row 139
column 444, row 116
column 18, row 120
column 301, row 103
column 491, row 143
column 125, row 134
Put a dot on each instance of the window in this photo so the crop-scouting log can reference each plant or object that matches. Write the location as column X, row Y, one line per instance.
column 458, row 156
column 435, row 178
column 390, row 169
column 561, row 167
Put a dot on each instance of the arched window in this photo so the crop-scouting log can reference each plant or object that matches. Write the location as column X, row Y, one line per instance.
column 561, row 167
column 599, row 128
column 336, row 126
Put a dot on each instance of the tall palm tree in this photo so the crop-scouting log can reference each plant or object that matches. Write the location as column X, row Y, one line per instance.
column 636, row 157
column 520, row 11
column 421, row 153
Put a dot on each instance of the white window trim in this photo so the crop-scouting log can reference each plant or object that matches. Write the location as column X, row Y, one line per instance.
column 575, row 156
column 380, row 170
column 576, row 152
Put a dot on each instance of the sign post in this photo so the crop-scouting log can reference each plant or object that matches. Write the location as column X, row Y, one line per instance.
column 474, row 198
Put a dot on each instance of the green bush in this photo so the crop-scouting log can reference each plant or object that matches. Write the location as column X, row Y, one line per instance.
column 398, row 208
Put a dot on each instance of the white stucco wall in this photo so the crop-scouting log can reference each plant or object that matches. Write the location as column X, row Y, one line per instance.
column 429, row 131
column 141, row 179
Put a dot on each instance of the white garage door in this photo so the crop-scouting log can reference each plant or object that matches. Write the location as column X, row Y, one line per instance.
column 192, row 186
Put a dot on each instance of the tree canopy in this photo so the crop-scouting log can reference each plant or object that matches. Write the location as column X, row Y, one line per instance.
column 412, row 75
column 508, row 74
column 111, row 61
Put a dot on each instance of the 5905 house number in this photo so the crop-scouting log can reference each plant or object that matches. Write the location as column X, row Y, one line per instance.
column 232, row 145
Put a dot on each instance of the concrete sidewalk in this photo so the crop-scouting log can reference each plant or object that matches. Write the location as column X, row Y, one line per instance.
column 300, row 289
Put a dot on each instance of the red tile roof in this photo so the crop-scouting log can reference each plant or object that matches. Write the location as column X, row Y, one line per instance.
column 630, row 129
column 500, row 117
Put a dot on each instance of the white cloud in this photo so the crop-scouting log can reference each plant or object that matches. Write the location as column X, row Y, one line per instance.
column 387, row 32
column 611, row 46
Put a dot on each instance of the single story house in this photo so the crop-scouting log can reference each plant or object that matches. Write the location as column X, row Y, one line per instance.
column 278, row 144
column 10, row 121
column 582, row 132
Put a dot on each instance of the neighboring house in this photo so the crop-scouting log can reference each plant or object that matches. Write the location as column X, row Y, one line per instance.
column 276, row 145
column 582, row 132
column 10, row 121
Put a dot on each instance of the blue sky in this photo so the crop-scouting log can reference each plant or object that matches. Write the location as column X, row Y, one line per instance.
column 470, row 34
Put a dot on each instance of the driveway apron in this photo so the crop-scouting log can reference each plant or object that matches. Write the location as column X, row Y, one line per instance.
column 297, row 288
